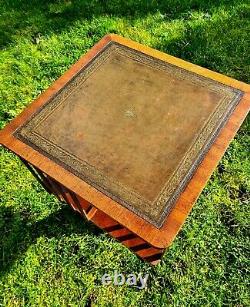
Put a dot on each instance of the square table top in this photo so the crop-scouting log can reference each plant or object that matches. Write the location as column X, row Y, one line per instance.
column 133, row 125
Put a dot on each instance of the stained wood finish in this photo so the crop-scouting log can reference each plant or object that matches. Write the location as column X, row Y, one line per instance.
column 110, row 215
column 137, row 245
column 117, row 126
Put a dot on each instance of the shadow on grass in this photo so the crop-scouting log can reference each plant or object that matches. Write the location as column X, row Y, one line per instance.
column 30, row 18
column 18, row 233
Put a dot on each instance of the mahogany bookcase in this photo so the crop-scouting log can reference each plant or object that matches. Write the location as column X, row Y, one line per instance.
column 128, row 137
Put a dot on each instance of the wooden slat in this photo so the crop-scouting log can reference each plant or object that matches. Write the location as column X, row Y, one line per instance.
column 45, row 184
column 137, row 245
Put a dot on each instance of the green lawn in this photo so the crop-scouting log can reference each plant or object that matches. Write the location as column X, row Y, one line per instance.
column 48, row 255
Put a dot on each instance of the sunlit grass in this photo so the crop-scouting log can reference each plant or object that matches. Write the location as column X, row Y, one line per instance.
column 48, row 255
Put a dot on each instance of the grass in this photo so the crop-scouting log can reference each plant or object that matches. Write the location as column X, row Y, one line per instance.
column 48, row 255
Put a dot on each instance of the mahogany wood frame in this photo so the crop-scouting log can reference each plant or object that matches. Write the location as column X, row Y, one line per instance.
column 144, row 239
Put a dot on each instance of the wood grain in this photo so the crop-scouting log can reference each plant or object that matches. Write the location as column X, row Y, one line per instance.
column 117, row 214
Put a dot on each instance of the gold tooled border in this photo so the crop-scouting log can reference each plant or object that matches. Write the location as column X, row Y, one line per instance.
column 155, row 212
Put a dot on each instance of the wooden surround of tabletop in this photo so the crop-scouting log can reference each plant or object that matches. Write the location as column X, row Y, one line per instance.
column 128, row 137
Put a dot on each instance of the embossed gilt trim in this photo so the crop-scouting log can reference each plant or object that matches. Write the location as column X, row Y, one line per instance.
column 155, row 212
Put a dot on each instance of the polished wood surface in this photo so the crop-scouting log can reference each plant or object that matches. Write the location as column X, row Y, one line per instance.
column 158, row 238
column 133, row 127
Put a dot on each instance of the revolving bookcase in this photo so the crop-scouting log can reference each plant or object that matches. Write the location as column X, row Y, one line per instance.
column 128, row 137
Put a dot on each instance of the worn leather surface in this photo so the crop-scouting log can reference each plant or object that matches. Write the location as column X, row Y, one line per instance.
column 134, row 127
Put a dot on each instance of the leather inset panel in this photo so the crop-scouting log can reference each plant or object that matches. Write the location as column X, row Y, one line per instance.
column 133, row 126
